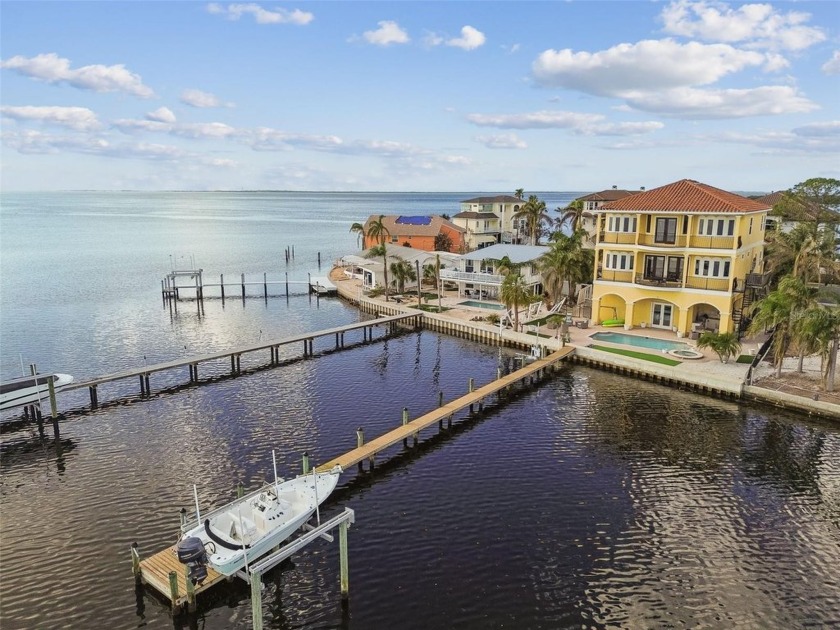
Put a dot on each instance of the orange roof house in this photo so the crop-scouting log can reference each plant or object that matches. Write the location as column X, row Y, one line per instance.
column 418, row 232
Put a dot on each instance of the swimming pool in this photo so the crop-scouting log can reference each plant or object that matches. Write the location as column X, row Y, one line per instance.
column 641, row 342
column 487, row 305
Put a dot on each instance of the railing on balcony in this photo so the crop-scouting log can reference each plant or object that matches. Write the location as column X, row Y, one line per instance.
column 665, row 282
column 614, row 275
column 651, row 240
column 708, row 284
column 758, row 280
column 470, row 276
column 714, row 242
column 486, row 230
column 620, row 238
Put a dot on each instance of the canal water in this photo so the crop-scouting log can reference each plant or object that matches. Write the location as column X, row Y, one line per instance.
column 592, row 500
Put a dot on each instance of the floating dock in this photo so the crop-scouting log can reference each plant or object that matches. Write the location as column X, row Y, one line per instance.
column 322, row 285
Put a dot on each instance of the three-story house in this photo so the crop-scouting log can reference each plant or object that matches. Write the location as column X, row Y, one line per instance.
column 684, row 257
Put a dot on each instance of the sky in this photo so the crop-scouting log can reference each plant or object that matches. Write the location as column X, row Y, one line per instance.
column 417, row 96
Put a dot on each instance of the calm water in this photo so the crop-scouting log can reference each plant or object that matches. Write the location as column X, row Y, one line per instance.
column 591, row 501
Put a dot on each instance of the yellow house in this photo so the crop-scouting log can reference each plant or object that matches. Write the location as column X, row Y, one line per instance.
column 684, row 257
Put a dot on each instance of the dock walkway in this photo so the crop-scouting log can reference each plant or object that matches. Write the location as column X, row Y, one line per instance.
column 235, row 355
column 477, row 396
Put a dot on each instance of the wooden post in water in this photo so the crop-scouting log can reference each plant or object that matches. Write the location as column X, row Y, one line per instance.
column 256, row 600
column 343, row 560
column 183, row 515
column 265, row 285
column 243, row 286
column 470, row 389
column 173, row 589
column 222, row 285
column 440, row 399
column 405, row 422
column 305, row 463
column 190, row 590
column 360, row 442
column 53, row 408
column 240, row 490
column 135, row 563
column 319, row 261
column 287, row 284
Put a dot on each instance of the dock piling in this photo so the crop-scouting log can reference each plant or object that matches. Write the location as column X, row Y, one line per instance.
column 173, row 589
column 256, row 600
column 305, row 463
column 405, row 422
column 135, row 562
column 190, row 589
column 343, row 560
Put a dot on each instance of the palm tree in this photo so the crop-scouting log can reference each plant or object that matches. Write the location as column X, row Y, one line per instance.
column 534, row 213
column 724, row 345
column 818, row 330
column 572, row 214
column 566, row 262
column 380, row 232
column 519, row 193
column 804, row 251
column 514, row 293
column 777, row 311
column 402, row 271
column 359, row 230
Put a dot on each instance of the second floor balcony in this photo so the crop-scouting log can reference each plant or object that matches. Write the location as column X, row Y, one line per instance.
column 471, row 276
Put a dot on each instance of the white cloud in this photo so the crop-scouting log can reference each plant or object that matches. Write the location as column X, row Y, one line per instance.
column 819, row 130
column 388, row 33
column 471, row 38
column 132, row 125
column 755, row 25
column 162, row 114
column 503, row 141
column 51, row 68
column 646, row 65
column 203, row 130
column 262, row 16
column 535, row 120
column 79, row 118
column 785, row 142
column 733, row 103
column 40, row 143
column 662, row 76
column 619, row 129
column 832, row 66
column 197, row 98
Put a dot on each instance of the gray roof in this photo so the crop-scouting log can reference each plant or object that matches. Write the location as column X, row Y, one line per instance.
column 516, row 253
column 475, row 215
column 496, row 199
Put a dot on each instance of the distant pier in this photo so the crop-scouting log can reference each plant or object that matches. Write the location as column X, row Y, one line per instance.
column 180, row 284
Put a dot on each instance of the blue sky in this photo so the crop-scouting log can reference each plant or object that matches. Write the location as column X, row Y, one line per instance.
column 417, row 96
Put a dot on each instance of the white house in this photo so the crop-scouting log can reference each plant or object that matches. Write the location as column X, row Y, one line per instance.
column 477, row 273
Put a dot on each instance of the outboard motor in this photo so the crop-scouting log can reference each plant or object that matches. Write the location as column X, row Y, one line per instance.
column 191, row 552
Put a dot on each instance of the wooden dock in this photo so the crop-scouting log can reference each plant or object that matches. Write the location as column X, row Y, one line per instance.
column 411, row 429
column 235, row 355
column 167, row 575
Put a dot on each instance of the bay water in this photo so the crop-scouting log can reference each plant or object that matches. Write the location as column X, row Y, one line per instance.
column 591, row 500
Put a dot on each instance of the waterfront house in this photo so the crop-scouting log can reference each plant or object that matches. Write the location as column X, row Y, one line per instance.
column 482, row 228
column 418, row 232
column 371, row 270
column 510, row 230
column 591, row 203
column 479, row 274
column 683, row 257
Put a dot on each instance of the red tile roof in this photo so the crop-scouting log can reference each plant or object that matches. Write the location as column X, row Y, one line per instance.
column 613, row 194
column 685, row 195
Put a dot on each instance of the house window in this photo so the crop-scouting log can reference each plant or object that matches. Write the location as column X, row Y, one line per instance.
column 712, row 267
column 663, row 268
column 730, row 229
column 625, row 224
column 750, row 230
column 621, row 261
column 666, row 231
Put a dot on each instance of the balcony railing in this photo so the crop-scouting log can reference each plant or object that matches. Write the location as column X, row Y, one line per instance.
column 619, row 238
column 714, row 242
column 469, row 276
column 650, row 240
column 614, row 275
column 708, row 284
column 485, row 230
column 666, row 282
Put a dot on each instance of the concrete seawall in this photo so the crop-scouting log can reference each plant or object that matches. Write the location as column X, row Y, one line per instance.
column 730, row 386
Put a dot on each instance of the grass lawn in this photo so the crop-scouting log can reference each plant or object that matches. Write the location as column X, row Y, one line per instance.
column 540, row 335
column 746, row 358
column 654, row 358
column 430, row 309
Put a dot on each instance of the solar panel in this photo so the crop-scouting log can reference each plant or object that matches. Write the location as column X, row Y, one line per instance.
column 415, row 220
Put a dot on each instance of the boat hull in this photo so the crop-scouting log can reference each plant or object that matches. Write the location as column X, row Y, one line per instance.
column 244, row 530
column 30, row 389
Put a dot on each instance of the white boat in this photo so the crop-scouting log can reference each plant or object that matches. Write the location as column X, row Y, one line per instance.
column 248, row 528
column 30, row 389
